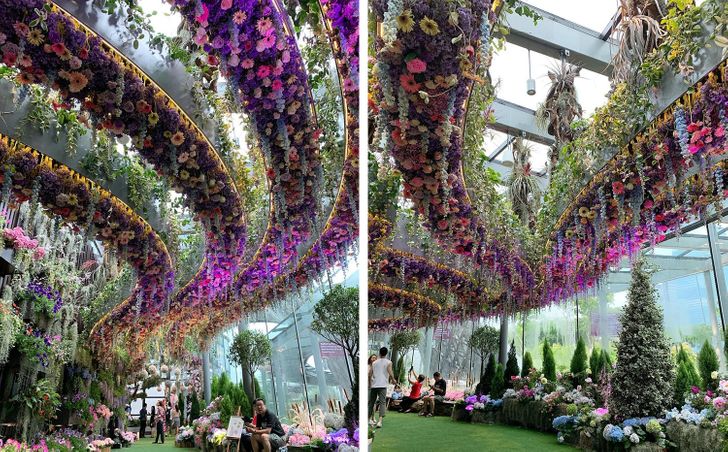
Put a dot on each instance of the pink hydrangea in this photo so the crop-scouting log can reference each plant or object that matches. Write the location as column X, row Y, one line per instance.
column 416, row 66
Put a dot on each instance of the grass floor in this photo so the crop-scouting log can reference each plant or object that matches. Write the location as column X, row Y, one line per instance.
column 147, row 445
column 409, row 432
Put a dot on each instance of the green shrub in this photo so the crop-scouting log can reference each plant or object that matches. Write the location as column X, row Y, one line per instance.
column 578, row 361
column 707, row 363
column 596, row 361
column 511, row 366
column 549, row 364
column 194, row 407
column 487, row 378
column 497, row 386
column 527, row 364
column 606, row 361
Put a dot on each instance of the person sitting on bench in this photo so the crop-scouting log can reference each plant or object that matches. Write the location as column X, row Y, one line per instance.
column 439, row 389
column 415, row 392
column 267, row 432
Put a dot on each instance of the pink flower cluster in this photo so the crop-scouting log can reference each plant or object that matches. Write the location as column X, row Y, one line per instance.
column 299, row 440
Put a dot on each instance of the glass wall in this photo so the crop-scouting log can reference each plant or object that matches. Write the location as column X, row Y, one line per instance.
column 688, row 289
column 305, row 369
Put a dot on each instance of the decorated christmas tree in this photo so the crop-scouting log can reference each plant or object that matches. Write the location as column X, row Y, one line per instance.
column 642, row 382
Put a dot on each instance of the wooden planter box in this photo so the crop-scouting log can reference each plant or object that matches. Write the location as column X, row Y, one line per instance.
column 304, row 449
column 187, row 444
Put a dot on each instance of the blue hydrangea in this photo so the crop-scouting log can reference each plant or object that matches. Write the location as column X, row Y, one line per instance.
column 613, row 433
column 563, row 421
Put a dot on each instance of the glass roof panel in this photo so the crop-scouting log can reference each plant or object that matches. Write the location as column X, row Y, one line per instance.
column 593, row 14
column 510, row 72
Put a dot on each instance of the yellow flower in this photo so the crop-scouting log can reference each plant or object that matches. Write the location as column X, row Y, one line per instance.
column 429, row 26
column 405, row 21
column 153, row 118
column 35, row 37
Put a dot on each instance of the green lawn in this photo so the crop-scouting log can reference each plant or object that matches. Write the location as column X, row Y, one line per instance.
column 409, row 432
column 147, row 445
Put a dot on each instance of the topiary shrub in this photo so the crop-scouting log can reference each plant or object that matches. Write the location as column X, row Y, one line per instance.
column 642, row 382
column 595, row 361
column 687, row 376
column 707, row 363
column 497, row 386
column 578, row 360
column 511, row 366
column 194, row 407
column 487, row 378
column 549, row 363
column 527, row 364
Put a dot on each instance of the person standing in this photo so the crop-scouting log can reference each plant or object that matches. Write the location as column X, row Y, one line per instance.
column 160, row 423
column 438, row 393
column 143, row 420
column 168, row 418
column 175, row 421
column 380, row 375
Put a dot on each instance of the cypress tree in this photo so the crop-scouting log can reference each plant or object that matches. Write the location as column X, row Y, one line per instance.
column 642, row 382
column 596, row 362
column 487, row 378
column 708, row 363
column 497, row 386
column 606, row 361
column 511, row 366
column 549, row 363
column 194, row 407
column 527, row 364
column 578, row 361
column 683, row 383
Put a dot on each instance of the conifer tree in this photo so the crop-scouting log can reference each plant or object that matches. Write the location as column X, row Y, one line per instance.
column 596, row 362
column 578, row 360
column 511, row 366
column 642, row 382
column 707, row 363
column 527, row 364
column 487, row 378
column 497, row 386
column 549, row 363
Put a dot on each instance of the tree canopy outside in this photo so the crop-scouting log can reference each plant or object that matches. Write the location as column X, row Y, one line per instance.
column 250, row 349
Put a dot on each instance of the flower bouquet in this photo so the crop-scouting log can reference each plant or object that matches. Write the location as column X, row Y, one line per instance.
column 101, row 445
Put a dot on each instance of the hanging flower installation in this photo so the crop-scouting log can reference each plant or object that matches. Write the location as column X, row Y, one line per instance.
column 253, row 44
column 471, row 296
column 671, row 173
column 84, row 206
column 341, row 229
column 389, row 324
column 51, row 48
column 384, row 297
column 426, row 57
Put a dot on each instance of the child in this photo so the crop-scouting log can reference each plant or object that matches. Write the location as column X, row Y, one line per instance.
column 397, row 393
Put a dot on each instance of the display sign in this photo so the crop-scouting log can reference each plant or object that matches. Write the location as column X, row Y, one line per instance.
column 235, row 427
column 442, row 332
column 331, row 350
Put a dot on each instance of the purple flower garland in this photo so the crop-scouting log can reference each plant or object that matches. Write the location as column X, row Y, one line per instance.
column 81, row 67
column 425, row 59
column 341, row 229
column 669, row 175
column 70, row 196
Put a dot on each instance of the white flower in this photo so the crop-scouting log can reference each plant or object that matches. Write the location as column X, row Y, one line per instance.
column 634, row 438
column 714, row 375
column 628, row 430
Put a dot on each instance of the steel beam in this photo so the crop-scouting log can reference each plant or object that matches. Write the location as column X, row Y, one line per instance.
column 553, row 34
column 519, row 121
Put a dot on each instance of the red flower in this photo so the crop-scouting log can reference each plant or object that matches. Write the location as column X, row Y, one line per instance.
column 618, row 188
column 409, row 83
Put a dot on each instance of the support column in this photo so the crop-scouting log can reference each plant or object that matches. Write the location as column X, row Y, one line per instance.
column 503, row 342
column 427, row 348
column 603, row 311
column 718, row 273
column 206, row 381
column 321, row 374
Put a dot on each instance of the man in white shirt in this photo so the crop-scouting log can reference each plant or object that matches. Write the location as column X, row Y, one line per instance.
column 380, row 375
